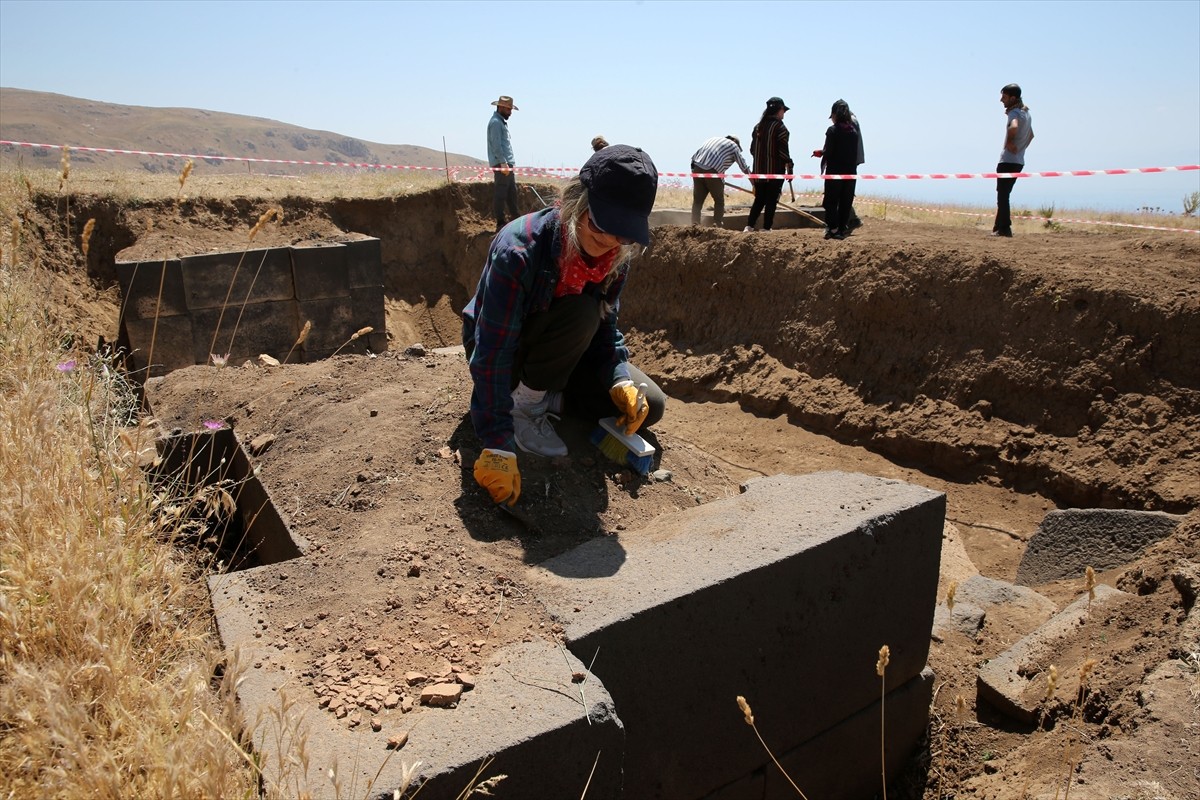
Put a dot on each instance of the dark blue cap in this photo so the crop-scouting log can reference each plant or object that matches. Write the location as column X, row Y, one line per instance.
column 622, row 182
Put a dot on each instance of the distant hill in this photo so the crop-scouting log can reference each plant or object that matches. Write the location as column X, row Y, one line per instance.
column 45, row 118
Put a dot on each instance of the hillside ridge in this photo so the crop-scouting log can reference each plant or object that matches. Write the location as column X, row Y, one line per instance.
column 47, row 118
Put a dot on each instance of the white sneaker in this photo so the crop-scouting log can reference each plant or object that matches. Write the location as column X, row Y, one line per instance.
column 533, row 431
column 747, row 229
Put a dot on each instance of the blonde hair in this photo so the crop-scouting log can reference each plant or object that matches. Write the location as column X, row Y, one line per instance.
column 573, row 206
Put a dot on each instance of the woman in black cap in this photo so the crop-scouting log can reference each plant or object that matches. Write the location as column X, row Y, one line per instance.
column 769, row 146
column 542, row 325
column 839, row 157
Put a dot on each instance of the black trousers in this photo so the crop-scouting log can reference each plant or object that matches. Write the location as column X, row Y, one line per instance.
column 766, row 197
column 839, row 200
column 1004, row 187
column 550, row 352
column 505, row 194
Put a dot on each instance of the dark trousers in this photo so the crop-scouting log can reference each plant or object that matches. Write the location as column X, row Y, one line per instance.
column 505, row 193
column 1004, row 187
column 766, row 197
column 839, row 199
column 550, row 353
column 701, row 189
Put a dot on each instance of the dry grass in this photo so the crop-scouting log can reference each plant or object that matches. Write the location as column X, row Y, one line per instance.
column 113, row 682
column 107, row 686
column 330, row 183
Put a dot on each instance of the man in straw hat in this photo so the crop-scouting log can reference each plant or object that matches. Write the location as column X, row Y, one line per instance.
column 500, row 158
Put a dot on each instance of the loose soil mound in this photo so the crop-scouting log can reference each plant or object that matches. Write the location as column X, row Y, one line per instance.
column 1015, row 375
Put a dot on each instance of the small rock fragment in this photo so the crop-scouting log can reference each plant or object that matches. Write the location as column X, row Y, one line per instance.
column 397, row 741
column 376, row 724
column 441, row 694
column 413, row 678
column 260, row 443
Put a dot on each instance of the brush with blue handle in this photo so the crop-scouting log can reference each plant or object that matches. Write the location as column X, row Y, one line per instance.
column 617, row 437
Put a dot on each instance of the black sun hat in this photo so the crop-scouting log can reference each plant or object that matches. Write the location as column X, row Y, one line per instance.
column 622, row 182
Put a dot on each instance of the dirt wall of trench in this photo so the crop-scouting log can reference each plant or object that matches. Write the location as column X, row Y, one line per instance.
column 1063, row 363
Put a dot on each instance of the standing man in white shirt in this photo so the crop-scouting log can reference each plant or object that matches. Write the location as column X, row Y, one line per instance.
column 1018, row 133
column 500, row 158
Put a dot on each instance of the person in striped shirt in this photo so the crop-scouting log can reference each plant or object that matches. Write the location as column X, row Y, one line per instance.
column 715, row 155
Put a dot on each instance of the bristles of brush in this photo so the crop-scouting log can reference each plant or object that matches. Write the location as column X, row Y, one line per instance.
column 616, row 451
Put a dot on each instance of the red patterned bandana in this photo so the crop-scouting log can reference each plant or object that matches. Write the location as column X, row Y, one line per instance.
column 574, row 273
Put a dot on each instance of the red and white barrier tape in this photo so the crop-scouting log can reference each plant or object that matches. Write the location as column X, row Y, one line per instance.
column 1029, row 217
column 1056, row 219
column 481, row 173
column 938, row 176
column 546, row 170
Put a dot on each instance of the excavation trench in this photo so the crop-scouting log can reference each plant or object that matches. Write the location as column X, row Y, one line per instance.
column 1066, row 369
column 1062, row 368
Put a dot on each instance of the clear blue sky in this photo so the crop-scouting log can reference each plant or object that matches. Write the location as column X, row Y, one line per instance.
column 1109, row 84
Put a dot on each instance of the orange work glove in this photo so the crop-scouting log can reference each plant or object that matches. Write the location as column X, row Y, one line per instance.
column 496, row 471
column 631, row 402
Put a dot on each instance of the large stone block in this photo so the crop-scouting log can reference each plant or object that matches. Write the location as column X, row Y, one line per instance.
column 151, row 288
column 319, row 271
column 243, row 333
column 364, row 262
column 785, row 593
column 332, row 323
column 845, row 761
column 233, row 279
column 1015, row 681
column 543, row 736
column 159, row 346
column 1069, row 541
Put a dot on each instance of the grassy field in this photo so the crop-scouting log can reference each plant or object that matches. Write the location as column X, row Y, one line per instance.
column 114, row 682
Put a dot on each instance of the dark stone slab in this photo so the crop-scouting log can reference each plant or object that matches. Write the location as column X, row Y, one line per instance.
column 163, row 347
column 1068, row 542
column 320, row 271
column 249, row 276
column 799, row 576
column 844, row 761
column 364, row 262
column 140, row 283
column 332, row 323
column 270, row 328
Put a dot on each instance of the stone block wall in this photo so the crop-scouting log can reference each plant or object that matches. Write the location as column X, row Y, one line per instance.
column 177, row 312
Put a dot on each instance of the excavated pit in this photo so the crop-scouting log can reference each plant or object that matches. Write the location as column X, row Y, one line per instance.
column 1059, row 365
column 1063, row 365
